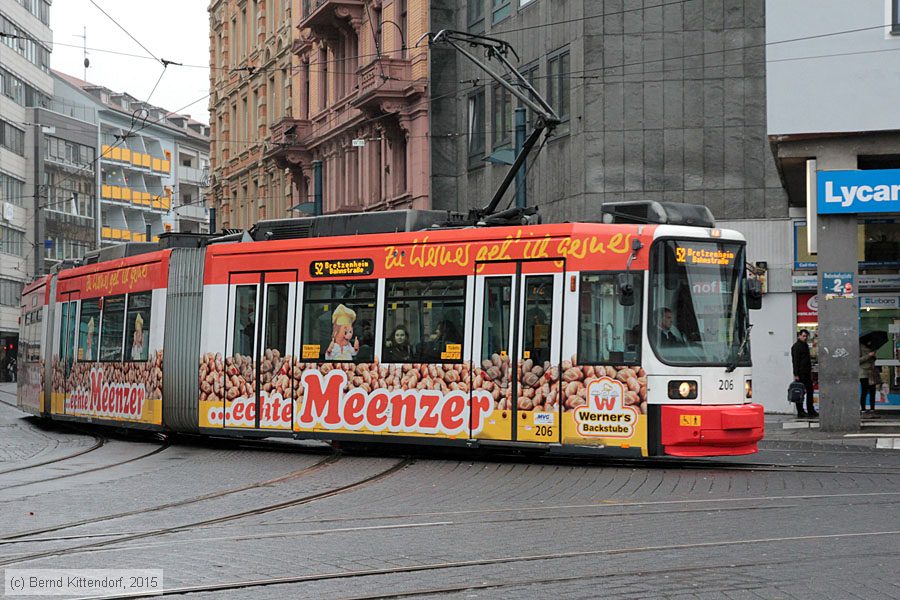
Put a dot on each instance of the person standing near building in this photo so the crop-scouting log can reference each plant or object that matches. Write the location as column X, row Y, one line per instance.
column 867, row 378
column 803, row 372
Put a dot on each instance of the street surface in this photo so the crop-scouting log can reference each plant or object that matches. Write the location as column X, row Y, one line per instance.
column 286, row 519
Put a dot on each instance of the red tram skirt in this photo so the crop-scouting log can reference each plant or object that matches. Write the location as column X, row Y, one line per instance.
column 724, row 430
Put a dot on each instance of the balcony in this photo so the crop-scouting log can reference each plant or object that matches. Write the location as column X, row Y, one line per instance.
column 383, row 81
column 288, row 142
column 325, row 17
column 193, row 176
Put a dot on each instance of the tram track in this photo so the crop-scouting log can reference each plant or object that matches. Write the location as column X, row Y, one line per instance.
column 260, row 510
column 516, row 515
column 510, row 559
column 326, row 461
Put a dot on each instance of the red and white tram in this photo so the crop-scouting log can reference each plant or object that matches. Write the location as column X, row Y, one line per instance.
column 612, row 338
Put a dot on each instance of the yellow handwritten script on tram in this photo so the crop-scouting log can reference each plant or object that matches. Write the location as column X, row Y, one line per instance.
column 110, row 280
column 424, row 254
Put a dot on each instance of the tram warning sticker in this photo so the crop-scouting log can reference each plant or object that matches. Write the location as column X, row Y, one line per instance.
column 605, row 414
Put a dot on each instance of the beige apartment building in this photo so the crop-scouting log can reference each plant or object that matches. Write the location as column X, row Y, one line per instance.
column 251, row 80
column 328, row 90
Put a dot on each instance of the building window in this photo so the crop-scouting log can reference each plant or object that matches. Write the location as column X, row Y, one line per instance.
column 529, row 73
column 524, row 2
column 895, row 17
column 501, row 112
column 475, row 127
column 12, row 190
column 12, row 139
column 12, row 241
column 475, row 15
column 10, row 292
column 500, row 10
column 404, row 24
column 558, row 83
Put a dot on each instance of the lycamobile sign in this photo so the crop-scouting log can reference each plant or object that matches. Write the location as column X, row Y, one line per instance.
column 846, row 192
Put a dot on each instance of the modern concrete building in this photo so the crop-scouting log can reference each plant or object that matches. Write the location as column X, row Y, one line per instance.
column 835, row 134
column 252, row 83
column 143, row 192
column 659, row 101
column 24, row 81
column 64, row 170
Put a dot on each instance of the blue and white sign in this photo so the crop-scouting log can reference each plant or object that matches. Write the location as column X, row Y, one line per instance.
column 837, row 285
column 848, row 192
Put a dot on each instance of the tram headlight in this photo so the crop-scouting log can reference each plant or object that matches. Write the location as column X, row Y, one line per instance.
column 748, row 388
column 682, row 390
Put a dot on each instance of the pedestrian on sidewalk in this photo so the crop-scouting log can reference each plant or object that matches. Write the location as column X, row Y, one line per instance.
column 867, row 378
column 802, row 362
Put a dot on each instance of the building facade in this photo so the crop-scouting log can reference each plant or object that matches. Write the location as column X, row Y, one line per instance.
column 350, row 108
column 64, row 171
column 143, row 152
column 658, row 101
column 252, row 79
column 835, row 135
column 24, row 81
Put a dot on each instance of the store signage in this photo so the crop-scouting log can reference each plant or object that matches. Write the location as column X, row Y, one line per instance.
column 838, row 284
column 849, row 192
column 807, row 308
column 879, row 302
column 866, row 282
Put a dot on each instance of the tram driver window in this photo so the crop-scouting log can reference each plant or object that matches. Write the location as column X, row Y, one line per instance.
column 431, row 313
column 609, row 333
column 338, row 321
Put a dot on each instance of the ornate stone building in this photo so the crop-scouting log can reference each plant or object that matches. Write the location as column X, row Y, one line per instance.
column 251, row 80
column 331, row 91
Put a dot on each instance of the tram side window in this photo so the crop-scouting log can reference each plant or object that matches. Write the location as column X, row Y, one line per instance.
column 431, row 313
column 277, row 317
column 112, row 328
column 89, row 329
column 33, row 330
column 244, row 320
column 67, row 334
column 339, row 321
column 137, row 322
column 609, row 333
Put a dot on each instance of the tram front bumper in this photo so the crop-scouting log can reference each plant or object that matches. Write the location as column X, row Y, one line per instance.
column 723, row 430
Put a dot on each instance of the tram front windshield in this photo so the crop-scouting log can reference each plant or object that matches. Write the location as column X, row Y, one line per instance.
column 697, row 311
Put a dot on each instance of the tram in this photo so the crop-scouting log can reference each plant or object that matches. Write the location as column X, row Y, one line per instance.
column 622, row 338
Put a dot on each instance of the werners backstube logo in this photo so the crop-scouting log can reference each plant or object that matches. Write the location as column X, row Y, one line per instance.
column 605, row 414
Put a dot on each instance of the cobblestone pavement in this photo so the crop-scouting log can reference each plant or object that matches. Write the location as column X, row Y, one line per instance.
column 460, row 527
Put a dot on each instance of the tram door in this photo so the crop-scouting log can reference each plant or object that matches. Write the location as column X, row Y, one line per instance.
column 259, row 349
column 517, row 344
column 67, row 336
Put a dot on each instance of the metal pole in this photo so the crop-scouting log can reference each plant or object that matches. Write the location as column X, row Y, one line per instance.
column 317, row 187
column 521, row 183
column 38, row 214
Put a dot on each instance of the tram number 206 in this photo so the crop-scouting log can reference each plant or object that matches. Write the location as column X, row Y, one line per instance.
column 726, row 384
column 543, row 430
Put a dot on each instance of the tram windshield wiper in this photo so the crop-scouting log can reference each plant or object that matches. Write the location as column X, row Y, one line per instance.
column 732, row 365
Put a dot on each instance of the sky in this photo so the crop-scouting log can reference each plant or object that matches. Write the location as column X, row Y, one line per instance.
column 173, row 30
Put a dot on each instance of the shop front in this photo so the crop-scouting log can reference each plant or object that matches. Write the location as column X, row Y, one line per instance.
column 879, row 310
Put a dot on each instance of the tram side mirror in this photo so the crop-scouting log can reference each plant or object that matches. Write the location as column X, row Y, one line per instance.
column 754, row 294
column 626, row 289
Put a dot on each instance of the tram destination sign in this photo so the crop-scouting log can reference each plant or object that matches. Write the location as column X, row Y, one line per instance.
column 355, row 267
column 704, row 255
column 850, row 192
